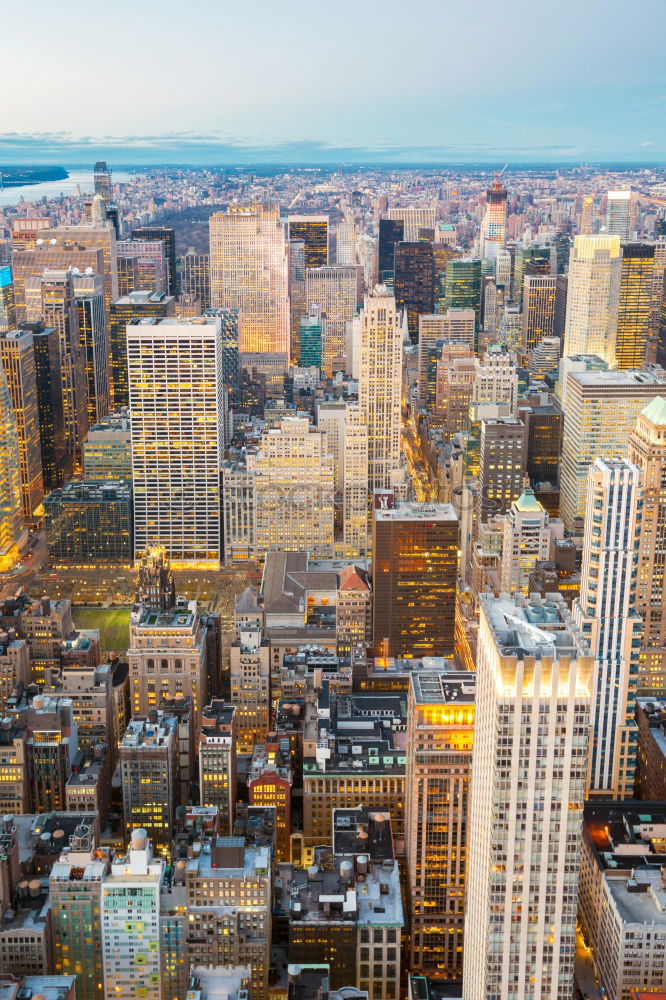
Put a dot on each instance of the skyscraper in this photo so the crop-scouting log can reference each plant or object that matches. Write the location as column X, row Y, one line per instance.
column 606, row 614
column 148, row 234
column 58, row 309
column 455, row 324
column 89, row 296
column 526, row 539
column 532, row 713
column 635, row 305
column 493, row 227
column 355, row 483
column 413, row 282
column 102, row 180
column 148, row 758
column 414, row 220
column 336, row 290
column 646, row 448
column 125, row 310
column 295, row 489
column 177, row 404
column 7, row 304
column 380, row 384
column 440, row 727
column 12, row 530
column 600, row 411
column 311, row 337
column 248, row 271
column 195, row 276
column 48, row 377
column 18, row 360
column 618, row 214
column 463, row 285
column 415, row 560
column 391, row 231
column 501, row 463
column 313, row 231
column 538, row 308
column 75, row 890
column 592, row 297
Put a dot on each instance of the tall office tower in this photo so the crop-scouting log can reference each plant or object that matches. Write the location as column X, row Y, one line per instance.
column 312, row 230
column 345, row 244
column 46, row 346
column 491, row 303
column 25, row 232
column 538, row 308
column 295, row 490
column 391, row 231
column 18, row 360
column 414, row 220
column 148, row 234
column 503, row 265
column 455, row 375
column 148, row 758
column 463, row 285
column 618, row 214
column 13, row 534
column 195, row 276
column 78, row 240
column 658, row 297
column 46, row 625
column 561, row 293
column 89, row 296
column 228, row 897
column 543, row 439
column 125, row 310
column 102, row 180
column 355, row 484
column 509, row 332
column 167, row 657
column 131, row 923
column 249, row 271
column 501, row 462
column 646, row 448
column 415, row 559
column 586, row 221
column 148, row 257
column 606, row 614
column 128, row 275
column 75, row 891
column 600, row 411
column 7, row 304
column 496, row 381
column 526, row 539
column 534, row 676
column 250, row 672
column 413, row 282
column 440, row 728
column 311, row 337
column 592, row 297
column 635, row 305
column 178, row 417
column 59, row 310
column 545, row 357
column 380, row 384
column 297, row 296
column 239, row 509
column 452, row 325
column 30, row 265
column 493, row 227
column 337, row 291
column 230, row 321
column 217, row 760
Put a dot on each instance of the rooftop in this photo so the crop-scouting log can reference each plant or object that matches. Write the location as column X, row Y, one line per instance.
column 535, row 627
column 404, row 511
column 150, row 734
column 655, row 411
column 444, row 688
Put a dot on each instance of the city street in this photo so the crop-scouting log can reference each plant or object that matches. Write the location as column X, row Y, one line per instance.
column 584, row 974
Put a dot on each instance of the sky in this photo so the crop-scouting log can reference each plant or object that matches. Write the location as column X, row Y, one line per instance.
column 303, row 81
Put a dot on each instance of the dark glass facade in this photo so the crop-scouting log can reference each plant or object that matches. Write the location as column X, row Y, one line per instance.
column 634, row 313
column 391, row 231
column 129, row 309
column 90, row 521
column 48, row 377
column 413, row 282
column 168, row 238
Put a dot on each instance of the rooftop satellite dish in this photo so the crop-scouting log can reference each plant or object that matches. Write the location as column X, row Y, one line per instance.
column 38, row 243
column 53, row 242
column 75, row 270
column 89, row 270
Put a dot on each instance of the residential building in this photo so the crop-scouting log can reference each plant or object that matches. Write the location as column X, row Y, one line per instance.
column 538, row 318
column 149, row 774
column 526, row 540
column 218, row 738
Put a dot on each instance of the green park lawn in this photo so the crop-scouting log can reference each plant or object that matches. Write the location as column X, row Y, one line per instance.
column 113, row 625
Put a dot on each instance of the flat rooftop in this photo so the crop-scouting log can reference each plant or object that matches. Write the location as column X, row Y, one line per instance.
column 444, row 688
column 533, row 627
column 407, row 511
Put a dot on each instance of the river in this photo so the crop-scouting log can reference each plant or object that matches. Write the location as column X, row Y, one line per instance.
column 52, row 189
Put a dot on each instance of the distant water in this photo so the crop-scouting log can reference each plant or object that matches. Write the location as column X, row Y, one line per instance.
column 52, row 189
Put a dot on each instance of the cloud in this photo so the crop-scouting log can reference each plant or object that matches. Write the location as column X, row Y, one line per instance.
column 648, row 144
